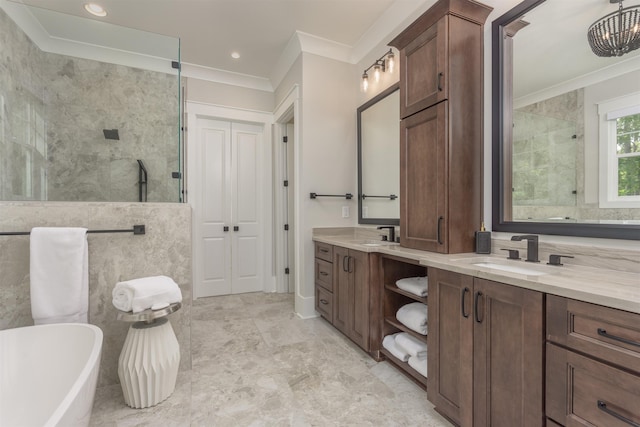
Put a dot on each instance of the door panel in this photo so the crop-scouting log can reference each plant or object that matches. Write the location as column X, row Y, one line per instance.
column 450, row 340
column 508, row 354
column 229, row 167
column 341, row 289
column 359, row 298
column 246, row 251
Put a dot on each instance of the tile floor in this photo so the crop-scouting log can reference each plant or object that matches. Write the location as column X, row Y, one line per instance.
column 255, row 363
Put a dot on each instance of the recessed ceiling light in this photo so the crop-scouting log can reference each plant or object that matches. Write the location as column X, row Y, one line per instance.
column 235, row 55
column 95, row 9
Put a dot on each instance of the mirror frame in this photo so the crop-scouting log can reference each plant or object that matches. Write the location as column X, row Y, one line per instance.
column 372, row 101
column 611, row 231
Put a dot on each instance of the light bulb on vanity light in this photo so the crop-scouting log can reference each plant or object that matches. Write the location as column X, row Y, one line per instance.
column 365, row 82
column 391, row 61
column 376, row 72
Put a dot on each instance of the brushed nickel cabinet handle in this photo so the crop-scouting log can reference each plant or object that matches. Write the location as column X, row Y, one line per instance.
column 324, row 301
column 324, row 273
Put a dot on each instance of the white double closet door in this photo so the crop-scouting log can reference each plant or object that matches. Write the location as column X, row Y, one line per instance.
column 228, row 242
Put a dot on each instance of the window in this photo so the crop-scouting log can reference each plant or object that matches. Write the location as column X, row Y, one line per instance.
column 620, row 152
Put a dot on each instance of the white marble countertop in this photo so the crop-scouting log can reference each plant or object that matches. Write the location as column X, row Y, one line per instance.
column 611, row 288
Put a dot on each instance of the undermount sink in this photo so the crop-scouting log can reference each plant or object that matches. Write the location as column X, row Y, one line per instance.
column 511, row 268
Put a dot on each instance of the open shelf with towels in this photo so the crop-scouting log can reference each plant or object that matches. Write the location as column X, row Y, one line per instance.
column 393, row 269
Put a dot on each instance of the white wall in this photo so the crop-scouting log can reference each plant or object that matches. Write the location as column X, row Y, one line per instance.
column 328, row 153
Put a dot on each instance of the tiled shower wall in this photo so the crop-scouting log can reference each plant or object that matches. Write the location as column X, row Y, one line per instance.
column 165, row 249
column 549, row 163
column 53, row 109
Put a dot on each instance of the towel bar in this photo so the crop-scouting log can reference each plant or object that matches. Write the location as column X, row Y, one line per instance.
column 346, row 196
column 137, row 229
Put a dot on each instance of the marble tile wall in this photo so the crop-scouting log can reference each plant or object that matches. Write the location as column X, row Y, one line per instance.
column 85, row 97
column 566, row 156
column 53, row 109
column 165, row 249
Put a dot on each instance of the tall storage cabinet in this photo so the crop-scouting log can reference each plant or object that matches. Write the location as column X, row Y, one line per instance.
column 441, row 57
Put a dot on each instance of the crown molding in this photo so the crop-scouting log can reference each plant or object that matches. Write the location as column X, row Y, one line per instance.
column 226, row 77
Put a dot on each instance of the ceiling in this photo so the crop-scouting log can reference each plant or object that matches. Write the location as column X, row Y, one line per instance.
column 209, row 30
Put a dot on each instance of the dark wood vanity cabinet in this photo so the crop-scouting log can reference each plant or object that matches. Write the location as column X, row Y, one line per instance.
column 486, row 344
column 441, row 57
column 346, row 293
column 593, row 364
column 351, row 294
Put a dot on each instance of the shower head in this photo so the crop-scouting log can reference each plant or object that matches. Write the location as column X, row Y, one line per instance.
column 111, row 134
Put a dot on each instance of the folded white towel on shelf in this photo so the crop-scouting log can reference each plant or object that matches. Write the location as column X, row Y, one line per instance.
column 59, row 275
column 419, row 364
column 389, row 342
column 148, row 292
column 416, row 285
column 414, row 317
column 411, row 345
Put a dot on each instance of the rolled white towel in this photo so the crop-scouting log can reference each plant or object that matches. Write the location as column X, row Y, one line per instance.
column 148, row 292
column 389, row 342
column 419, row 364
column 416, row 285
column 414, row 317
column 411, row 345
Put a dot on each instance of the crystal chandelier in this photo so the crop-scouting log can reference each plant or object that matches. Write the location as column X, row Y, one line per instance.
column 616, row 33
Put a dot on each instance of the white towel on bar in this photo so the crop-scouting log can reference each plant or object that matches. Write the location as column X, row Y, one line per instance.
column 148, row 292
column 416, row 285
column 413, row 316
column 389, row 342
column 411, row 345
column 419, row 364
column 59, row 275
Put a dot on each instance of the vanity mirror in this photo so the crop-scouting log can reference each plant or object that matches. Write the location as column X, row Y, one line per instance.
column 89, row 111
column 566, row 125
column 379, row 159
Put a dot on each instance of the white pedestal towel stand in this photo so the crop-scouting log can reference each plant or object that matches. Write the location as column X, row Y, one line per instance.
column 149, row 361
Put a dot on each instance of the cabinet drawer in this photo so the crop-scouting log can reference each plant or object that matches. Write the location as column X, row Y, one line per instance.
column 581, row 391
column 324, row 274
column 324, row 303
column 604, row 333
column 324, row 251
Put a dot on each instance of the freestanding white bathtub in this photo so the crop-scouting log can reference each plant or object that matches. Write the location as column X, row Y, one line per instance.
column 48, row 374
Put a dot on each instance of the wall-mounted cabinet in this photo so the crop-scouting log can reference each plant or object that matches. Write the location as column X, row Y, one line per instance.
column 441, row 100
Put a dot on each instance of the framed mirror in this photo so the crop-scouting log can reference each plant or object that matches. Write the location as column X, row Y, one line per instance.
column 565, row 131
column 379, row 159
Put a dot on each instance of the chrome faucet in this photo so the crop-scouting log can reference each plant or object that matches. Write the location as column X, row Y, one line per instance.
column 392, row 232
column 532, row 246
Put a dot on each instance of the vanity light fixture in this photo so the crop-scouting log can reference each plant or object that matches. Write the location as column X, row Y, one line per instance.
column 385, row 63
column 616, row 33
column 95, row 9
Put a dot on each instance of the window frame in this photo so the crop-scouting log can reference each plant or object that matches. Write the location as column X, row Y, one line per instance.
column 608, row 112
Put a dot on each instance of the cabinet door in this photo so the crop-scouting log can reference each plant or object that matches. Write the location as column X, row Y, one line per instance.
column 359, row 298
column 424, row 67
column 341, row 289
column 508, row 355
column 450, row 343
column 423, row 180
